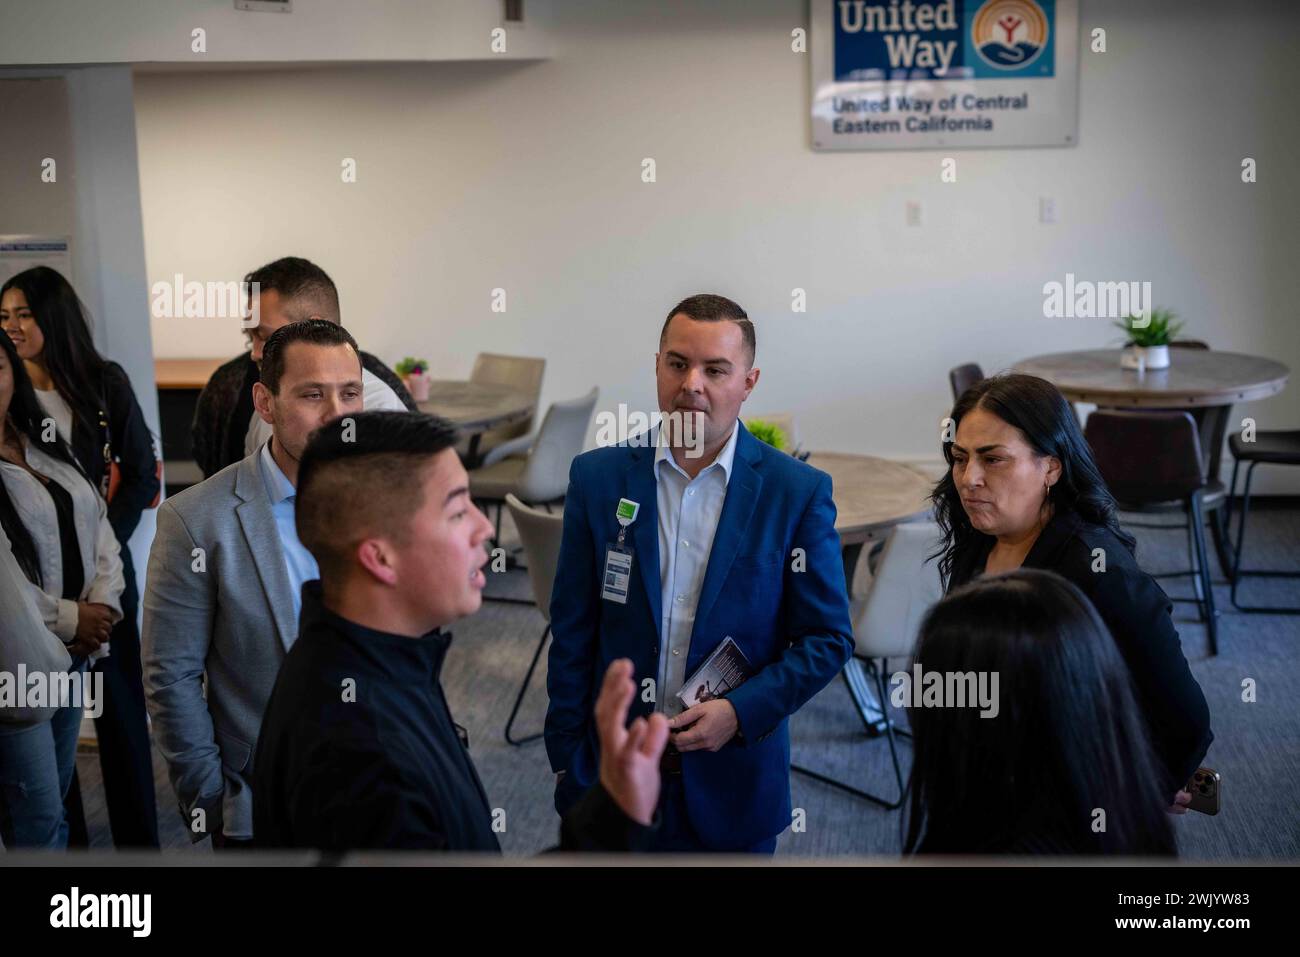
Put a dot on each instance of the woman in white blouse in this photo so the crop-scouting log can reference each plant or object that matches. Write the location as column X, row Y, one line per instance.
column 94, row 407
column 56, row 527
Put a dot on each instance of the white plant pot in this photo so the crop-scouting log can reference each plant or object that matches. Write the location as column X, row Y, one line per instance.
column 1144, row 357
column 1157, row 357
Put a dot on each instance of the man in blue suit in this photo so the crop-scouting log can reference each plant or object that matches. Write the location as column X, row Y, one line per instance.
column 717, row 535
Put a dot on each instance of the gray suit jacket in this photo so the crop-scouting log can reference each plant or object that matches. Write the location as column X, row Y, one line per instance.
column 218, row 602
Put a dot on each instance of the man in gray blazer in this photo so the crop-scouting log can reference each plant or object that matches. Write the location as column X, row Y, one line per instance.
column 223, row 589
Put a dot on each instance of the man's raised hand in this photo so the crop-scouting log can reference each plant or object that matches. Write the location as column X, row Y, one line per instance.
column 629, row 755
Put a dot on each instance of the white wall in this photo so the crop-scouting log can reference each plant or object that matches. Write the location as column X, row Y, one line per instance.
column 527, row 177
column 145, row 31
column 38, row 106
column 85, row 120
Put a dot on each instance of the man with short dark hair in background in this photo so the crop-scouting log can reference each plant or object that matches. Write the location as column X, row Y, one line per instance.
column 226, row 428
column 358, row 748
column 225, row 574
column 671, row 546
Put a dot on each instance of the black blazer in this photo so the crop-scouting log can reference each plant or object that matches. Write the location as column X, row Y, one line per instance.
column 131, row 447
column 1137, row 612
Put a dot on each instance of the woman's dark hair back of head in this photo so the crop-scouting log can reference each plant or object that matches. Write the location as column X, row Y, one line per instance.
column 28, row 416
column 1068, row 740
column 69, row 354
column 1041, row 413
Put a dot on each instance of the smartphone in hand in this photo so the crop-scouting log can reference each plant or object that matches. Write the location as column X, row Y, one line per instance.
column 1204, row 789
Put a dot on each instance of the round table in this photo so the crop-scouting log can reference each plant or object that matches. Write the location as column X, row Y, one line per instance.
column 871, row 496
column 476, row 407
column 1195, row 379
column 1203, row 382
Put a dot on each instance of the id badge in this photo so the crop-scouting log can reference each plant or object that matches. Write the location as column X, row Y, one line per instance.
column 618, row 572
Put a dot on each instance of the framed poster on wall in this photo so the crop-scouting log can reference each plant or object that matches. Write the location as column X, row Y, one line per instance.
column 927, row 74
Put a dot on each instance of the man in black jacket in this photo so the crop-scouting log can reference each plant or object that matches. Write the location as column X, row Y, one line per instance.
column 290, row 290
column 357, row 747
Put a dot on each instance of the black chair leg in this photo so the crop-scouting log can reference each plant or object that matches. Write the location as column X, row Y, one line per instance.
column 1198, row 582
column 519, row 700
column 889, row 731
column 879, row 675
column 1241, row 527
column 1222, row 540
column 1225, row 558
column 1203, row 567
column 1230, row 503
column 504, row 599
column 1239, row 572
column 510, row 564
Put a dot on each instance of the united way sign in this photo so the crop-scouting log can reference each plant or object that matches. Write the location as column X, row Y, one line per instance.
column 923, row 74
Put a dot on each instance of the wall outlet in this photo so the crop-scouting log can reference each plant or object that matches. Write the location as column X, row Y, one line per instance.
column 1046, row 210
column 913, row 213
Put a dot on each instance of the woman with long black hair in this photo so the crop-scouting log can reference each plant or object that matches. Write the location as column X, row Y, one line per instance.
column 1022, row 489
column 93, row 405
column 55, row 526
column 1062, row 762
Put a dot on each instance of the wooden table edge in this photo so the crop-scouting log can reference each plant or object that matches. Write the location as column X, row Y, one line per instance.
column 859, row 534
column 1165, row 400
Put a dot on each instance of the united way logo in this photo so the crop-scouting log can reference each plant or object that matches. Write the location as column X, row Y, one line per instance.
column 1009, row 35
column 943, row 39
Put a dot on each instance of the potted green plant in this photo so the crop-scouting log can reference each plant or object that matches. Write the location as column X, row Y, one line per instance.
column 415, row 376
column 768, row 432
column 1147, row 345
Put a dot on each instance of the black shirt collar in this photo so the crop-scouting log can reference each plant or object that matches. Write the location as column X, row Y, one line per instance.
column 397, row 655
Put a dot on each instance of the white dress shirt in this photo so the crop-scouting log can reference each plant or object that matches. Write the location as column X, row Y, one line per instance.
column 299, row 562
column 376, row 396
column 689, row 510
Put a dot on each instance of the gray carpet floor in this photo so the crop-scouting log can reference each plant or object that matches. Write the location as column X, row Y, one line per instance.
column 1256, row 748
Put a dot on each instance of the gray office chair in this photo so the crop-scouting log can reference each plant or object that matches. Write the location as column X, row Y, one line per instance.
column 540, row 533
column 524, row 373
column 905, row 586
column 535, row 469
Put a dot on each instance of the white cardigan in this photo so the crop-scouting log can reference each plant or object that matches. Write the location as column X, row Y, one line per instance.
column 101, row 565
column 25, row 642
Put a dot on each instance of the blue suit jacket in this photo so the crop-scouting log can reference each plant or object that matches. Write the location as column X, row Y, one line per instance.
column 789, row 616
